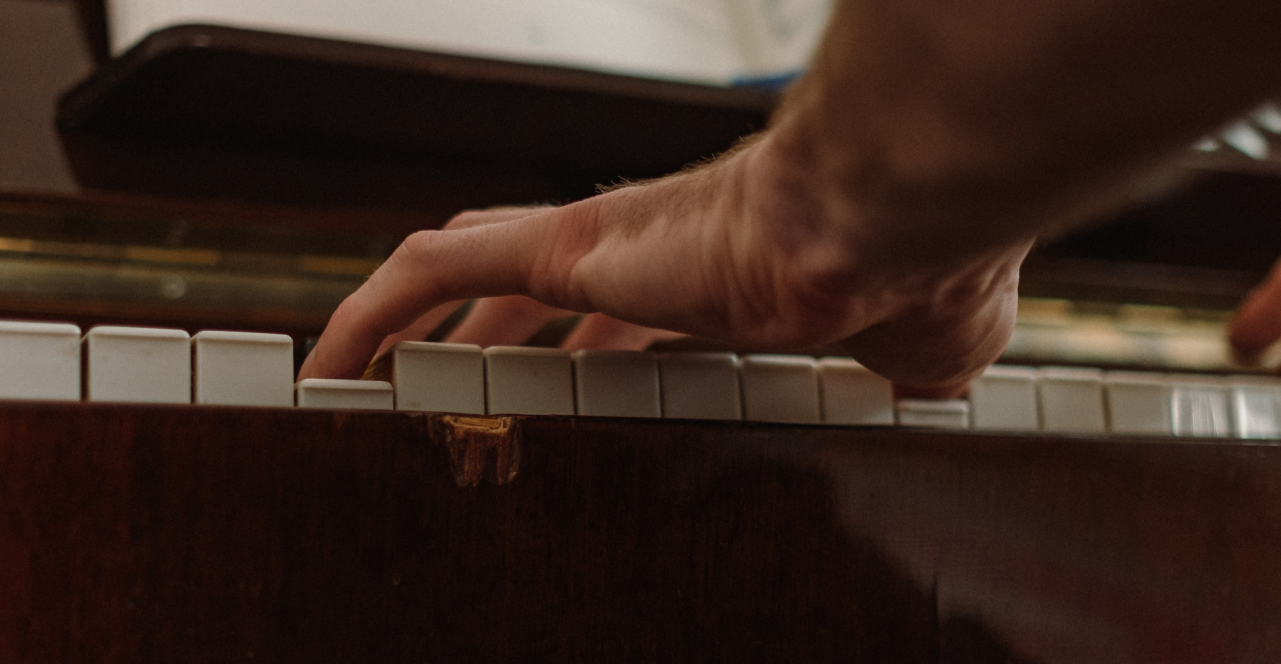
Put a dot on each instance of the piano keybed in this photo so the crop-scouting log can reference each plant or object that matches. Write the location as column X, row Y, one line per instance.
column 54, row 361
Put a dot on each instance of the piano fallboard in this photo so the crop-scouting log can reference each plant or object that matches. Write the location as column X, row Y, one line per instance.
column 180, row 533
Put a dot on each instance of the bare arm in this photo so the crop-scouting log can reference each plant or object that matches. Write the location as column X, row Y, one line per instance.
column 973, row 123
column 891, row 202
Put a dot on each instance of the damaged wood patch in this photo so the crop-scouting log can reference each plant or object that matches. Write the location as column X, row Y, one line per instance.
column 479, row 447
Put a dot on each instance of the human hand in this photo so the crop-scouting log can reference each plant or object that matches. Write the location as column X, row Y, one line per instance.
column 750, row 250
column 513, row 319
column 1256, row 325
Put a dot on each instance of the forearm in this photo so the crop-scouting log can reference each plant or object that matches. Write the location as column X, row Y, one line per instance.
column 940, row 130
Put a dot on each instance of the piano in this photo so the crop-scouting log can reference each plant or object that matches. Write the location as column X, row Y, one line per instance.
column 172, row 532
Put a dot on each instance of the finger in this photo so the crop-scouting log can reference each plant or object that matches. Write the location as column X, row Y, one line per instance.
column 601, row 332
column 1257, row 322
column 934, row 354
column 504, row 321
column 434, row 267
column 474, row 218
column 428, row 322
column 423, row 327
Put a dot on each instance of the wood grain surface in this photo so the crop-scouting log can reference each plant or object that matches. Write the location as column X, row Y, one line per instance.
column 205, row 534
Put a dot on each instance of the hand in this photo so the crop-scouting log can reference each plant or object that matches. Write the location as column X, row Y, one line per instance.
column 1257, row 322
column 511, row 320
column 749, row 250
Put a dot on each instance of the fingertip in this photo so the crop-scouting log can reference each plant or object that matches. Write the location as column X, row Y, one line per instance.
column 1257, row 322
column 305, row 370
column 334, row 359
column 309, row 366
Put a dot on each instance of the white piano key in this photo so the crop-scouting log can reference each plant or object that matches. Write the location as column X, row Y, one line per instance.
column 780, row 388
column 700, row 386
column 1256, row 406
column 1004, row 398
column 529, row 381
column 137, row 364
column 933, row 413
column 242, row 369
column 1139, row 403
column 1071, row 400
column 39, row 361
column 344, row 394
column 436, row 377
column 1200, row 407
column 616, row 383
column 852, row 394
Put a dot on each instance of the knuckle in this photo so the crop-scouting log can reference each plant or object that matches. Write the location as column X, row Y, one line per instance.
column 417, row 247
column 465, row 219
column 556, row 268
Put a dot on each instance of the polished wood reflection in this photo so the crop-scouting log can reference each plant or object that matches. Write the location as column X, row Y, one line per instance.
column 132, row 533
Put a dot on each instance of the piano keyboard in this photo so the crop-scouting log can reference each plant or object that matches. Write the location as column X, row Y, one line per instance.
column 54, row 361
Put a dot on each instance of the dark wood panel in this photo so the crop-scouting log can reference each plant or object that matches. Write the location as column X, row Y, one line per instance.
column 216, row 534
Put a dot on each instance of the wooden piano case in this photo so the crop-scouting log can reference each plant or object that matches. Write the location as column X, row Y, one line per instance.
column 155, row 534
column 135, row 534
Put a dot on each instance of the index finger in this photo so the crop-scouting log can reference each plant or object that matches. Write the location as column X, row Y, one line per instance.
column 434, row 267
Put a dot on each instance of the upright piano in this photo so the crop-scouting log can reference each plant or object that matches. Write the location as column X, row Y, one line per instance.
column 208, row 533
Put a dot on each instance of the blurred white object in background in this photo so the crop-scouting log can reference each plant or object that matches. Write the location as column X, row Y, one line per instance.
column 719, row 42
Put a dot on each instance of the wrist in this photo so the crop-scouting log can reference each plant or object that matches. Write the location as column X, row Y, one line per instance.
column 909, row 194
column 851, row 239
